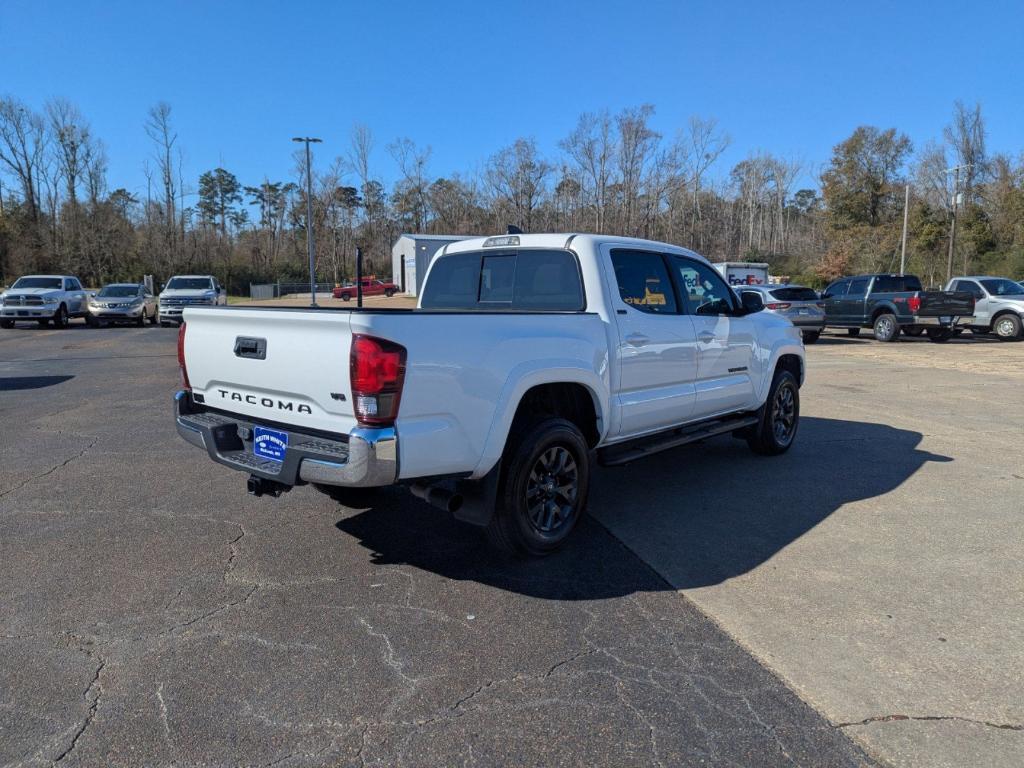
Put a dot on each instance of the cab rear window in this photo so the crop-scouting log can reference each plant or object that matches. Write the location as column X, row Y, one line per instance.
column 527, row 280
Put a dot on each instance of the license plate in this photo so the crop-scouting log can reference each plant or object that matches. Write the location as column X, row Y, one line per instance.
column 269, row 443
column 805, row 312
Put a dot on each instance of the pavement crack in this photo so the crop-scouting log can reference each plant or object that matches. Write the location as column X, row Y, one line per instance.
column 163, row 711
column 51, row 470
column 92, row 695
column 210, row 613
column 931, row 718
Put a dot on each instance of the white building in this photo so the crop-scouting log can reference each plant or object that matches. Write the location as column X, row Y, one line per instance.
column 412, row 254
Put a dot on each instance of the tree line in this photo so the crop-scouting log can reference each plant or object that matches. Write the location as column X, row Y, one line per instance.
column 613, row 173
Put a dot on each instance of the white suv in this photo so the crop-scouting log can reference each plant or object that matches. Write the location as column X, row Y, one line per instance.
column 44, row 298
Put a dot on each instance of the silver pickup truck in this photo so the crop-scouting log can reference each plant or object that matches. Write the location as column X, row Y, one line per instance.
column 998, row 305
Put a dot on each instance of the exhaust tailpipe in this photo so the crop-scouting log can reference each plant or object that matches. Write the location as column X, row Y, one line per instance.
column 437, row 496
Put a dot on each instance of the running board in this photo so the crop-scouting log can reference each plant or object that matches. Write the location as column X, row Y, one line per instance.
column 623, row 453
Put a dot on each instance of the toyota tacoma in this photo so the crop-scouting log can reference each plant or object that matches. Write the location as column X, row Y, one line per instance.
column 527, row 358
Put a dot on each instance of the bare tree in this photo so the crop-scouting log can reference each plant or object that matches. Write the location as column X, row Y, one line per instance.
column 637, row 145
column 704, row 145
column 966, row 138
column 517, row 175
column 412, row 163
column 593, row 149
column 23, row 141
column 162, row 134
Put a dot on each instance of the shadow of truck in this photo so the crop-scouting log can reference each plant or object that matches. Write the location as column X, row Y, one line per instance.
column 712, row 509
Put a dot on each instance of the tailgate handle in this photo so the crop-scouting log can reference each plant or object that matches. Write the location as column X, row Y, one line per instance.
column 246, row 346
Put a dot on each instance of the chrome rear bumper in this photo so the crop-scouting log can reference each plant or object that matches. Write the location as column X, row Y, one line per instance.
column 364, row 458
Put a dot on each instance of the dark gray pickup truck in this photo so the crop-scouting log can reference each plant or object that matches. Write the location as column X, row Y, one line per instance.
column 891, row 304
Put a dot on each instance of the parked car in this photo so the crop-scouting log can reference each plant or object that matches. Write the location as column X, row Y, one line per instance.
column 998, row 305
column 186, row 291
column 123, row 303
column 43, row 298
column 797, row 303
column 371, row 287
column 891, row 304
column 527, row 355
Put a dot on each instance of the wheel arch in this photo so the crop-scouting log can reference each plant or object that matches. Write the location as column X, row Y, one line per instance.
column 571, row 394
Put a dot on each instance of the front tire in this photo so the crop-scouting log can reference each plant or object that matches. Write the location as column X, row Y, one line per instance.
column 1007, row 327
column 141, row 319
column 780, row 417
column 543, row 488
column 60, row 317
column 886, row 328
column 389, row 293
column 6, row 323
column 346, row 296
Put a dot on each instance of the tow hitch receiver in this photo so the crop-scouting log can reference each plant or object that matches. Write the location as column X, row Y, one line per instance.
column 259, row 486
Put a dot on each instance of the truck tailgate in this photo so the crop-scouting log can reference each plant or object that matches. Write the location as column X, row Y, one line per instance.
column 278, row 365
column 946, row 304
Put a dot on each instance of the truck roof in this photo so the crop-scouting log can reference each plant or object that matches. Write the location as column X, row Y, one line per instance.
column 563, row 240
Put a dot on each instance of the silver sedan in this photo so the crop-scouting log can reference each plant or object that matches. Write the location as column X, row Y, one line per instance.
column 122, row 303
column 798, row 304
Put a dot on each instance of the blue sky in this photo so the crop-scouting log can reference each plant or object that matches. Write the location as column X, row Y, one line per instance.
column 468, row 78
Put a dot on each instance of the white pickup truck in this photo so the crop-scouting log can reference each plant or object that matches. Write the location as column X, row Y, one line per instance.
column 528, row 357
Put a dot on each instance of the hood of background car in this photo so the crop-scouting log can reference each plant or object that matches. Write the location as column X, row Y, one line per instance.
column 31, row 291
column 188, row 292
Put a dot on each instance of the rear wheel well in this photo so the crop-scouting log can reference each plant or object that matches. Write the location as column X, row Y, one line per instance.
column 792, row 364
column 569, row 401
column 881, row 311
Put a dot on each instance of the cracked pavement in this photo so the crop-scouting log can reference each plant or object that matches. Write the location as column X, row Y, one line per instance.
column 154, row 614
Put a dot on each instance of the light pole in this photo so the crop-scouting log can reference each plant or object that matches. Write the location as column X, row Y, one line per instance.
column 309, row 214
column 955, row 170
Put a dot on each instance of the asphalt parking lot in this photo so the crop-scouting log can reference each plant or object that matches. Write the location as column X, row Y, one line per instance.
column 857, row 600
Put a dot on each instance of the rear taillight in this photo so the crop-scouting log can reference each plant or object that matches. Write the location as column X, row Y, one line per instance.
column 914, row 303
column 778, row 305
column 377, row 370
column 181, row 357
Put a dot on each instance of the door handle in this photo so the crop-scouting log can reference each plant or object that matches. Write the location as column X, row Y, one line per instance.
column 705, row 337
column 637, row 340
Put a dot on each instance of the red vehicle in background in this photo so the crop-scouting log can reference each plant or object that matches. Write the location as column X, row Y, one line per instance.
column 371, row 287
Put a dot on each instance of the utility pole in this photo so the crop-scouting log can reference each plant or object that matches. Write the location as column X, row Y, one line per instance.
column 903, row 248
column 309, row 215
column 955, row 170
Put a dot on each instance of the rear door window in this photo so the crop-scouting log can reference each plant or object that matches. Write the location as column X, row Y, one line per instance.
column 643, row 281
column 838, row 288
column 858, row 287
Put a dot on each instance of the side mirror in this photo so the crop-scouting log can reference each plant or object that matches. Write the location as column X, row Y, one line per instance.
column 752, row 302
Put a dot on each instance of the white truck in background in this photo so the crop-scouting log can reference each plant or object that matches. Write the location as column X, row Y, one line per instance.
column 527, row 357
column 189, row 291
column 737, row 273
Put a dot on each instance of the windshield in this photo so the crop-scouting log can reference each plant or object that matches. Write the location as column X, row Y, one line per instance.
column 119, row 291
column 794, row 293
column 1002, row 287
column 190, row 284
column 38, row 282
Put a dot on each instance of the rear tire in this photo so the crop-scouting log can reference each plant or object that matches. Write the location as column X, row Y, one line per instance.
column 811, row 336
column 6, row 323
column 1007, row 327
column 913, row 330
column 43, row 322
column 141, row 319
column 152, row 318
column 91, row 321
column 780, row 417
column 853, row 331
column 543, row 489
column 886, row 328
column 346, row 296
column 939, row 335
column 389, row 293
